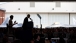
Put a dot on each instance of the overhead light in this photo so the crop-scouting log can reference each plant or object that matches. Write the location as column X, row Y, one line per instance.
column 58, row 4
column 32, row 4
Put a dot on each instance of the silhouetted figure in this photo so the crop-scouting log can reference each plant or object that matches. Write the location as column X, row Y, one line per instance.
column 56, row 34
column 17, row 41
column 1, row 35
column 50, row 35
column 27, row 29
column 38, row 33
column 62, row 34
column 37, row 40
column 72, row 38
column 53, row 41
column 26, row 22
column 68, row 35
column 61, row 40
column 10, row 23
column 5, row 39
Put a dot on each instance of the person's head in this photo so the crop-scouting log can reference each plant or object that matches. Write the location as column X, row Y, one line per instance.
column 61, row 40
column 11, row 16
column 67, row 30
column 28, row 15
column 56, row 30
column 71, row 31
column 38, row 37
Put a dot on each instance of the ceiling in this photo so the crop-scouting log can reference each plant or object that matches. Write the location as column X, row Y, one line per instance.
column 3, row 3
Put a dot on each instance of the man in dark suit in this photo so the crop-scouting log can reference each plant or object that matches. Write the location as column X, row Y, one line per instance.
column 25, row 23
column 27, row 29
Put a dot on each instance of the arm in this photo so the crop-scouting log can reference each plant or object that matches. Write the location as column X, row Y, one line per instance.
column 15, row 22
column 11, row 23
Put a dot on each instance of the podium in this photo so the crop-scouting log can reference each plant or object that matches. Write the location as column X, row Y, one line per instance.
column 30, row 25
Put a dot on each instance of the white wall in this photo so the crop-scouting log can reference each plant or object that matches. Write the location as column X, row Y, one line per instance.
column 73, row 19
column 39, row 7
column 61, row 18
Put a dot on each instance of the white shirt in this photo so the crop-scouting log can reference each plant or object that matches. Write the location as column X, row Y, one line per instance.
column 29, row 19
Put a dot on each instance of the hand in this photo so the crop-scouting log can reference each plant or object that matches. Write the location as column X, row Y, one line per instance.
column 15, row 22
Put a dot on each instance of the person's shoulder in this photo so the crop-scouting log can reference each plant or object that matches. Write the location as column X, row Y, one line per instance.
column 8, row 42
column 9, row 20
column 26, row 18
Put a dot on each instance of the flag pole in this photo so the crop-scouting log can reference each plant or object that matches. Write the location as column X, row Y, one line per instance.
column 69, row 18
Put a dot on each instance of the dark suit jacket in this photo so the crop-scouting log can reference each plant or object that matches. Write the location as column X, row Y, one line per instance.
column 25, row 22
column 27, row 29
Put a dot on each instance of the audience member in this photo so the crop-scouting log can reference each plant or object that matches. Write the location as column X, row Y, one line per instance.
column 56, row 34
column 50, row 35
column 5, row 39
column 62, row 34
column 61, row 40
column 37, row 40
column 17, row 41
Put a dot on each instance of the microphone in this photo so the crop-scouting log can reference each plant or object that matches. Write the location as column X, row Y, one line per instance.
column 31, row 19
